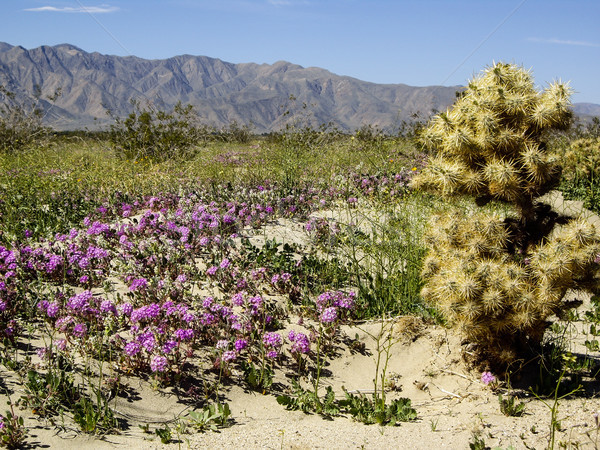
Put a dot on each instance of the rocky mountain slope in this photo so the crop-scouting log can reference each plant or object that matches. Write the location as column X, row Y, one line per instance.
column 221, row 92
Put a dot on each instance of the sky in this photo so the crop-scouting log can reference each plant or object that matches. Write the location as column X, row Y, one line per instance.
column 414, row 42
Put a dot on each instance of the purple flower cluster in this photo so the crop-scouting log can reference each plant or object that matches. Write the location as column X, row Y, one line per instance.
column 334, row 306
column 487, row 378
column 153, row 246
column 272, row 342
column 159, row 363
column 300, row 343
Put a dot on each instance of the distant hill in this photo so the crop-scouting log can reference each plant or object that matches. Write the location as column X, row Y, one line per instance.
column 221, row 92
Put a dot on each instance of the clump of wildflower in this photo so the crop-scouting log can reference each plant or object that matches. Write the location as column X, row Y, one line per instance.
column 80, row 330
column 138, row 284
column 272, row 342
column 335, row 305
column 329, row 315
column 53, row 309
column 132, row 348
column 240, row 344
column 300, row 343
column 238, row 299
column 229, row 356
column 158, row 363
column 487, row 378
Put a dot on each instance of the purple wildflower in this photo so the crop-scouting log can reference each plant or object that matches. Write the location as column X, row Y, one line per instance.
column 182, row 278
column 184, row 334
column 108, row 307
column 300, row 342
column 158, row 363
column 138, row 283
column 126, row 309
column 487, row 378
column 238, row 299
column 228, row 356
column 169, row 346
column 53, row 309
column 80, row 330
column 329, row 315
column 240, row 344
column 271, row 339
column 132, row 348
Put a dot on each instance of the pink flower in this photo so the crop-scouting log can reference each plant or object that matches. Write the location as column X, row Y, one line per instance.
column 158, row 363
column 329, row 315
column 487, row 378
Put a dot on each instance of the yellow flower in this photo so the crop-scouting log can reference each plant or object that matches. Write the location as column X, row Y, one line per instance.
column 414, row 169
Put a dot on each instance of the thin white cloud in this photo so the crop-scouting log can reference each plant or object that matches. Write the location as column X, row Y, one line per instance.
column 79, row 9
column 563, row 42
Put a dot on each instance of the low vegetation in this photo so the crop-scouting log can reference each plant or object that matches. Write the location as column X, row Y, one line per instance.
column 154, row 252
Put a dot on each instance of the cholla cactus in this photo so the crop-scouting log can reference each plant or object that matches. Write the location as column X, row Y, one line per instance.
column 501, row 278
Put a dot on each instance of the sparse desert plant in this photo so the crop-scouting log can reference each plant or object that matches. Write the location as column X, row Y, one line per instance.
column 148, row 133
column 20, row 122
column 509, row 407
column 581, row 174
column 12, row 430
column 501, row 277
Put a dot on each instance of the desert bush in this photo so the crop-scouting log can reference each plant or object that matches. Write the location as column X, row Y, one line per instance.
column 581, row 160
column 500, row 278
column 581, row 174
column 234, row 132
column 148, row 133
column 20, row 123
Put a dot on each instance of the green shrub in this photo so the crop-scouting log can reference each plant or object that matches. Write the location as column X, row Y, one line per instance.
column 156, row 135
column 581, row 174
column 501, row 278
column 20, row 123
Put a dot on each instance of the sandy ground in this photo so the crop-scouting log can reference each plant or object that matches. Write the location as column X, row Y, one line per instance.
column 451, row 402
column 426, row 366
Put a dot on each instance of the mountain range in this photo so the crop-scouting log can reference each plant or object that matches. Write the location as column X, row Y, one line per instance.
column 264, row 96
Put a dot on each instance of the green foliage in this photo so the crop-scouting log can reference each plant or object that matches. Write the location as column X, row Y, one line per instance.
column 581, row 173
column 156, row 135
column 164, row 434
column 363, row 409
column 310, row 271
column 301, row 134
column 370, row 411
column 20, row 123
column 501, row 278
column 48, row 394
column 308, row 401
column 13, row 432
column 509, row 407
column 234, row 132
column 258, row 378
column 557, row 395
column 94, row 417
column 211, row 417
column 478, row 443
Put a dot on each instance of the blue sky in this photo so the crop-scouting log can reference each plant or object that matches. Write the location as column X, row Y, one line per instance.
column 416, row 42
